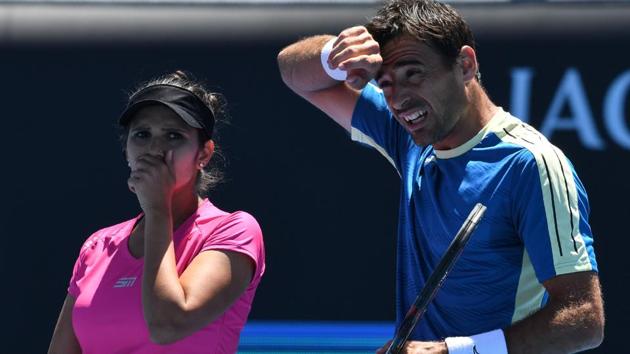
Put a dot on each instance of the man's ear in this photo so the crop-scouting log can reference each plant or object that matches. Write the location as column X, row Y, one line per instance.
column 467, row 61
column 206, row 152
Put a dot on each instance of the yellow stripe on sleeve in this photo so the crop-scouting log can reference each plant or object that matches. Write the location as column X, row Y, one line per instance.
column 559, row 196
column 530, row 292
column 358, row 135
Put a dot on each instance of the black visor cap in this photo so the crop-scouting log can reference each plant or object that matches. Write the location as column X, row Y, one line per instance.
column 181, row 101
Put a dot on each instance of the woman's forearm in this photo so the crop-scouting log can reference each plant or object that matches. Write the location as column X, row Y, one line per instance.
column 163, row 298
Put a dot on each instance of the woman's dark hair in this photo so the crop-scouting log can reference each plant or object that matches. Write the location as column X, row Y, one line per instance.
column 436, row 24
column 212, row 174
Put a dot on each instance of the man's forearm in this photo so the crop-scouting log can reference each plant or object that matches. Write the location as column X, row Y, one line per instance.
column 569, row 325
column 301, row 68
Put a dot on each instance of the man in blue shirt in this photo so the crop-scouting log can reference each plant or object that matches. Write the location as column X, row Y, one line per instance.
column 527, row 281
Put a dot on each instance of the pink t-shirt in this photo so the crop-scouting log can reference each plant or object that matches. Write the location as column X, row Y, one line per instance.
column 107, row 284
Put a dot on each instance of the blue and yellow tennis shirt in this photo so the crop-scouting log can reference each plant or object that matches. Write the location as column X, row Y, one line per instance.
column 536, row 225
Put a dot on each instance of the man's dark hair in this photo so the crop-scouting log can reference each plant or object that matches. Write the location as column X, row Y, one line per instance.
column 434, row 23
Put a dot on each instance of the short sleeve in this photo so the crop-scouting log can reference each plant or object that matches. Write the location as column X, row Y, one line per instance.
column 374, row 125
column 239, row 232
column 78, row 272
column 551, row 211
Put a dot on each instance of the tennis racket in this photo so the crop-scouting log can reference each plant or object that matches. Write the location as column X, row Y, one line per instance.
column 436, row 279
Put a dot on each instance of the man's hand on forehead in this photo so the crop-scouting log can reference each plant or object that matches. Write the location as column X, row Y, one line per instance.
column 356, row 52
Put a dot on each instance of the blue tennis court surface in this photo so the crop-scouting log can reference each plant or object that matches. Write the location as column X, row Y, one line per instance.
column 314, row 337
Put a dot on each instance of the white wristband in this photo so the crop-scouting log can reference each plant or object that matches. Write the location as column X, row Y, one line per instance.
column 337, row 74
column 492, row 342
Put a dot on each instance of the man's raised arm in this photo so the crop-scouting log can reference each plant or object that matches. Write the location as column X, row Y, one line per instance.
column 353, row 51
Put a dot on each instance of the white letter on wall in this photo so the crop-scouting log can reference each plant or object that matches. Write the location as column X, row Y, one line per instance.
column 614, row 105
column 571, row 91
column 521, row 92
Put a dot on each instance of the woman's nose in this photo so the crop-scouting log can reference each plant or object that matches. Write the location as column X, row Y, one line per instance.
column 157, row 147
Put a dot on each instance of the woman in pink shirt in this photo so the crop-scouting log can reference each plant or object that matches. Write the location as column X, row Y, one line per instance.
column 181, row 276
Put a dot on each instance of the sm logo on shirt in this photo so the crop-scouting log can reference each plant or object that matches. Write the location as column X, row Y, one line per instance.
column 125, row 282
